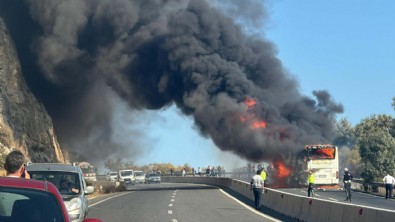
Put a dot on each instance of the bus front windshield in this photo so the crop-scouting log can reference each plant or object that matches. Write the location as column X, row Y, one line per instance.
column 321, row 153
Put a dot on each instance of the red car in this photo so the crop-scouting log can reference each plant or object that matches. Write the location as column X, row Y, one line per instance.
column 23, row 200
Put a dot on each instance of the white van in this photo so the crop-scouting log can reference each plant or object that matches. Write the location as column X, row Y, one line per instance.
column 139, row 176
column 127, row 176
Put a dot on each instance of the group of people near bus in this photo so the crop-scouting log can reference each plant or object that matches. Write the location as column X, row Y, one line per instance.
column 347, row 177
column 388, row 180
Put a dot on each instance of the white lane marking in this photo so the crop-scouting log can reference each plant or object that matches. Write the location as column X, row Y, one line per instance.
column 172, row 200
column 250, row 208
column 174, row 220
column 170, row 212
column 170, row 205
column 173, row 196
column 333, row 199
column 91, row 205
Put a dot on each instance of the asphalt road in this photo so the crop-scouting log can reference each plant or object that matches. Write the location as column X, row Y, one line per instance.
column 176, row 203
column 358, row 198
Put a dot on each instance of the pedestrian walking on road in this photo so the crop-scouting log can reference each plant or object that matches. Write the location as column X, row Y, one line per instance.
column 310, row 180
column 257, row 185
column 389, row 182
column 14, row 165
column 347, row 177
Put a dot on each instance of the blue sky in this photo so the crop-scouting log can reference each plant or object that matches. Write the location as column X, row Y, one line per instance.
column 344, row 47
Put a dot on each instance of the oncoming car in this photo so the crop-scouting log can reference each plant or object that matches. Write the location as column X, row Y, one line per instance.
column 32, row 200
column 127, row 176
column 70, row 182
column 139, row 176
column 152, row 178
column 112, row 176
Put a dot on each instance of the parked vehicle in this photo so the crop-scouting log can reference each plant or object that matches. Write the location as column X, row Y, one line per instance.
column 88, row 170
column 152, row 178
column 32, row 200
column 127, row 176
column 139, row 176
column 112, row 176
column 70, row 182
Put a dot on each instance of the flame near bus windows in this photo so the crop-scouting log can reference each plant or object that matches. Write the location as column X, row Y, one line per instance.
column 322, row 153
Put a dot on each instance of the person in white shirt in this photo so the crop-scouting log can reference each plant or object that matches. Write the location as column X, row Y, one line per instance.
column 257, row 185
column 389, row 182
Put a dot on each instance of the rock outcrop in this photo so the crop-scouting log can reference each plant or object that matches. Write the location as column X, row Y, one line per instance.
column 24, row 122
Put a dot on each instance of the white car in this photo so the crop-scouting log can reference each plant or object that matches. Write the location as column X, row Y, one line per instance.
column 127, row 176
column 139, row 176
column 112, row 176
column 70, row 182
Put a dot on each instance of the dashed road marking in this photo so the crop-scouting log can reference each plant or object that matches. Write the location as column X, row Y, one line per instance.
column 170, row 212
column 333, row 199
column 91, row 205
column 172, row 200
column 174, row 220
column 170, row 205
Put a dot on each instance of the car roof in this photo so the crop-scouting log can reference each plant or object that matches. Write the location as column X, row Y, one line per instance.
column 52, row 167
column 125, row 170
column 28, row 184
column 36, row 185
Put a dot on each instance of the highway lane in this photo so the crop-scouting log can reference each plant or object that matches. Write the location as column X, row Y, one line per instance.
column 358, row 198
column 174, row 203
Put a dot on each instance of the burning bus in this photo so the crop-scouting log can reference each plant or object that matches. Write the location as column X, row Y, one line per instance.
column 323, row 160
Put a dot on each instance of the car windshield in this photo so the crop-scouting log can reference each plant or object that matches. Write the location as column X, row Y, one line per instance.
column 153, row 175
column 113, row 174
column 138, row 174
column 126, row 173
column 68, row 183
column 18, row 204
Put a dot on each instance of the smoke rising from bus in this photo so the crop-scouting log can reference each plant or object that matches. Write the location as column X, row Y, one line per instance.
column 84, row 59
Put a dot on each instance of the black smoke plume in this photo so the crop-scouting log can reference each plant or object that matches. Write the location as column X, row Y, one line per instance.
column 84, row 58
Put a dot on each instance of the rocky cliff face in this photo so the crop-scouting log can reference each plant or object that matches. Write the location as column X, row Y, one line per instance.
column 24, row 122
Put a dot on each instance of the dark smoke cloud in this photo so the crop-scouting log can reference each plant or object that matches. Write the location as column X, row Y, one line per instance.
column 152, row 54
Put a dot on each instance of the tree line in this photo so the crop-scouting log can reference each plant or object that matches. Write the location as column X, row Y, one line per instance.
column 368, row 148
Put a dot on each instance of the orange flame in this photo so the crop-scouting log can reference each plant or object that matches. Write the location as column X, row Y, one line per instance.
column 251, row 118
column 250, row 102
column 257, row 125
column 327, row 152
column 282, row 170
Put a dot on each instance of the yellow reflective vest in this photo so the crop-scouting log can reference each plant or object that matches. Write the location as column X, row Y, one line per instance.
column 263, row 175
column 311, row 178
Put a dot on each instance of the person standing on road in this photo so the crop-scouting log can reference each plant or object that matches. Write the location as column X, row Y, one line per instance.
column 389, row 182
column 347, row 177
column 257, row 185
column 14, row 165
column 310, row 180
column 264, row 176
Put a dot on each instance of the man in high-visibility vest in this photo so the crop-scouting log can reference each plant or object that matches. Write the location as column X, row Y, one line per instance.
column 264, row 176
column 310, row 180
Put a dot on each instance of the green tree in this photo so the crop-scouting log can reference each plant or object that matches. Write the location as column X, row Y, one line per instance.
column 376, row 146
column 344, row 134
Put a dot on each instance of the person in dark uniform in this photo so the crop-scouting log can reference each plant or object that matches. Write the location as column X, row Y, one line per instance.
column 347, row 177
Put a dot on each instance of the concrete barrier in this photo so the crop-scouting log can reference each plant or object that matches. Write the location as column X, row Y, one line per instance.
column 295, row 206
